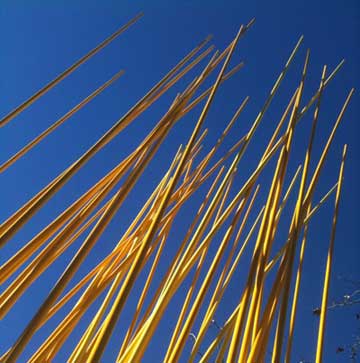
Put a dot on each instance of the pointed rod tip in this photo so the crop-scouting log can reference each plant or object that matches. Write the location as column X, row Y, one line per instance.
column 251, row 22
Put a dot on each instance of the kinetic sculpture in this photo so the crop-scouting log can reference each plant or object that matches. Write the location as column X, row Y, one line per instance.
column 220, row 221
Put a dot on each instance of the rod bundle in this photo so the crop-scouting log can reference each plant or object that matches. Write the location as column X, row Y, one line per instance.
column 231, row 220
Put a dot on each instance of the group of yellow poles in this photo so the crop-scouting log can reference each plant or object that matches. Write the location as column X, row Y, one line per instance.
column 263, row 320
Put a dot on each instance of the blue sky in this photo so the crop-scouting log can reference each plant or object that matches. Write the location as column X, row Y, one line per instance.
column 39, row 39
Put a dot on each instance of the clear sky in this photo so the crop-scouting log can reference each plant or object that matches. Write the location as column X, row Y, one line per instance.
column 39, row 39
